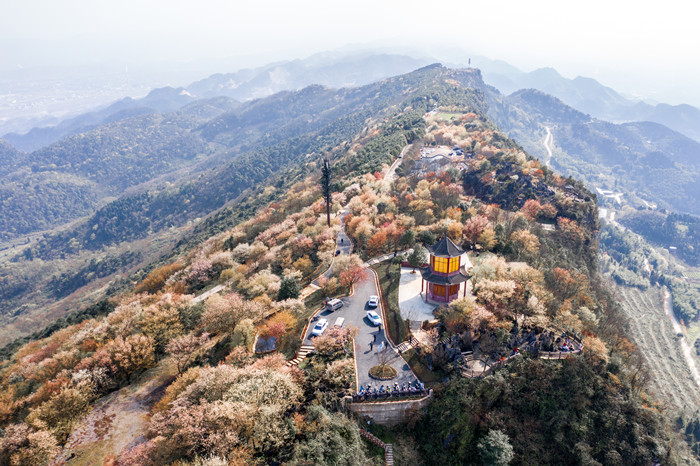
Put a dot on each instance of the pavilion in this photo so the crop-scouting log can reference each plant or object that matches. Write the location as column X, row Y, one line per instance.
column 447, row 270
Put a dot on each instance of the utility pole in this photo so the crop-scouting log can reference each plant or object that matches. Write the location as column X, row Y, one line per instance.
column 326, row 187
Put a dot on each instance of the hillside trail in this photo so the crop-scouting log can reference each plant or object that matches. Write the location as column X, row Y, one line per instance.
column 118, row 420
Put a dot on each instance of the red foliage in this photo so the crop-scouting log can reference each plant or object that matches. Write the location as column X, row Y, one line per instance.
column 531, row 209
column 49, row 388
column 376, row 244
column 353, row 275
column 273, row 329
column 89, row 345
column 45, row 352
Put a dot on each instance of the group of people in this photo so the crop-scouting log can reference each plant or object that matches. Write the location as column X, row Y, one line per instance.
column 368, row 392
column 570, row 346
column 548, row 341
column 566, row 344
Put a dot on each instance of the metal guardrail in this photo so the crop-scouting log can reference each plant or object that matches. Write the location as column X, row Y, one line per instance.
column 391, row 396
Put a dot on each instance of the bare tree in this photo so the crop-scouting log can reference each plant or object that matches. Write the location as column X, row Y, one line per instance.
column 488, row 344
column 384, row 355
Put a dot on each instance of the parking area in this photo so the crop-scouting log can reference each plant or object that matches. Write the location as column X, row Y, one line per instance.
column 354, row 311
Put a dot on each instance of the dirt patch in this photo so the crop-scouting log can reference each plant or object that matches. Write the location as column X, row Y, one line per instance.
column 118, row 420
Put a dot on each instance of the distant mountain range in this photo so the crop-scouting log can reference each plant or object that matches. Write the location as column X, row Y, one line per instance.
column 336, row 70
column 157, row 101
column 68, row 170
column 589, row 96
column 327, row 69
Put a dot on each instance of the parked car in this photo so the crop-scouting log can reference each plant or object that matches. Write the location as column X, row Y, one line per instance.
column 374, row 318
column 373, row 301
column 334, row 305
column 320, row 327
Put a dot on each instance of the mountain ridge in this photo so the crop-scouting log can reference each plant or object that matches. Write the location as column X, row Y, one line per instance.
column 209, row 394
column 602, row 102
column 601, row 152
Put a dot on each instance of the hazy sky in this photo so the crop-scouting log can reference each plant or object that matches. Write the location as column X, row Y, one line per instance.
column 634, row 47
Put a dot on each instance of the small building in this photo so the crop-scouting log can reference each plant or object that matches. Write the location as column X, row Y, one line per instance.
column 447, row 273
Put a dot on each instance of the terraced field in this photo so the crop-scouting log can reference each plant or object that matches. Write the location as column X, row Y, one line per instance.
column 651, row 330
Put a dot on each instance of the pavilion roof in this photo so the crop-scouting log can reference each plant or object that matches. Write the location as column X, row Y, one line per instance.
column 441, row 279
column 445, row 248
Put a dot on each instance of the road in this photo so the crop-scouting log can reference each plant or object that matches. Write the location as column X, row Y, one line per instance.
column 668, row 307
column 355, row 308
column 342, row 244
column 391, row 174
column 548, row 140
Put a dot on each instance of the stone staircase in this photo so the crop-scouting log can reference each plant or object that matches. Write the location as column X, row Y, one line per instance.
column 301, row 355
column 389, row 454
column 388, row 448
column 405, row 346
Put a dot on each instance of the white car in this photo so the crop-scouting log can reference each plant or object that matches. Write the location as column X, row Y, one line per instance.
column 320, row 327
column 374, row 318
column 373, row 301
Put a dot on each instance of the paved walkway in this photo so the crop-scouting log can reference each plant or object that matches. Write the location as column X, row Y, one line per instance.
column 206, row 294
column 411, row 301
column 391, row 255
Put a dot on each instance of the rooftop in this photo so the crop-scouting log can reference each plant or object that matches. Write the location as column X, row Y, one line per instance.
column 440, row 279
column 445, row 248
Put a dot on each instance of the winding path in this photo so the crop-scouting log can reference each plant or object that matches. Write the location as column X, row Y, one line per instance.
column 548, row 141
column 391, row 173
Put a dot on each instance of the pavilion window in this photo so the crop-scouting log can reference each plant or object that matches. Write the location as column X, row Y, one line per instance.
column 454, row 289
column 441, row 264
column 439, row 290
column 454, row 265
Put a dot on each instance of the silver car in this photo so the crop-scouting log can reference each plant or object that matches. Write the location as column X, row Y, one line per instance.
column 374, row 318
column 320, row 327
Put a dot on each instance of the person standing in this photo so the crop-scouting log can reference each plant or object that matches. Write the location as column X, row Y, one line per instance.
column 371, row 345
